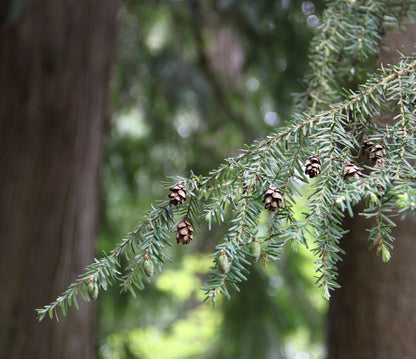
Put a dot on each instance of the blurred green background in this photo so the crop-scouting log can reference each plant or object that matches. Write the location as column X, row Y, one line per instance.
column 193, row 82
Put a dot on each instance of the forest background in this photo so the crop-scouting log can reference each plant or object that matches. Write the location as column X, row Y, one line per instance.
column 206, row 79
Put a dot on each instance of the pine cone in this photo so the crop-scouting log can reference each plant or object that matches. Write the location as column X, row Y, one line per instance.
column 272, row 199
column 367, row 144
column 351, row 170
column 377, row 152
column 184, row 232
column 177, row 194
column 313, row 166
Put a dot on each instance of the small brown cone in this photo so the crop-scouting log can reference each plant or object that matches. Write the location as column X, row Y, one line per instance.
column 377, row 152
column 313, row 166
column 272, row 199
column 352, row 171
column 184, row 232
column 177, row 194
column 367, row 144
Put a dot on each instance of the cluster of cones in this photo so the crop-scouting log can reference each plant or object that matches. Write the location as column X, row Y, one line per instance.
column 184, row 230
column 272, row 196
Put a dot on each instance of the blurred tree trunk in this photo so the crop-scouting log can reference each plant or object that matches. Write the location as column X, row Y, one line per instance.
column 373, row 314
column 55, row 59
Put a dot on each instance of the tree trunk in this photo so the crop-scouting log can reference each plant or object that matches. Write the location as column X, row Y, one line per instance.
column 373, row 315
column 55, row 59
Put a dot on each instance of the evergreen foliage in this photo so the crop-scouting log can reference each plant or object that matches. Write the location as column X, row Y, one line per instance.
column 330, row 123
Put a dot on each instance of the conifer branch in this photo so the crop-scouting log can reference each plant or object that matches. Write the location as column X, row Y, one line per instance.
column 334, row 130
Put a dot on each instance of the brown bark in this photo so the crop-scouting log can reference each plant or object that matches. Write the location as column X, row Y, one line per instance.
column 54, row 73
column 373, row 315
